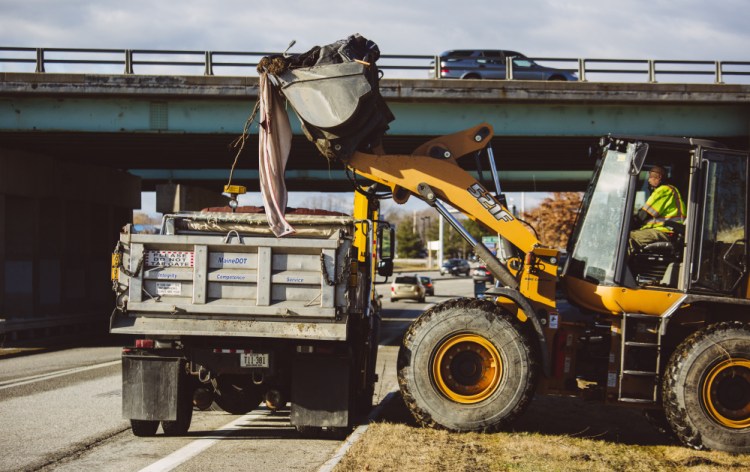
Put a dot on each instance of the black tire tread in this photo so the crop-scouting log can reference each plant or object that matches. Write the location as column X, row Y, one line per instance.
column 181, row 425
column 144, row 428
column 675, row 414
column 422, row 417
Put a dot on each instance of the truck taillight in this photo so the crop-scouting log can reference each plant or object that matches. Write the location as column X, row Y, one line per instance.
column 144, row 343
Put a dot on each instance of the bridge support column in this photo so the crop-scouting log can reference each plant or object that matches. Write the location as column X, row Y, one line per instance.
column 171, row 198
column 58, row 225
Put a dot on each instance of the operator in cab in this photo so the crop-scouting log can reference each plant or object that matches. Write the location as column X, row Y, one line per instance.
column 663, row 210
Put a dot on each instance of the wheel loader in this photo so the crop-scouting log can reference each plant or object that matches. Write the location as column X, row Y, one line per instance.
column 664, row 328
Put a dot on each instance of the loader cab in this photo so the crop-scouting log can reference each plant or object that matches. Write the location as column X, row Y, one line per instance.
column 707, row 254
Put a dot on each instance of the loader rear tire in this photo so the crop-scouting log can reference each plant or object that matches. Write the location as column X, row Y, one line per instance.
column 658, row 421
column 706, row 388
column 466, row 365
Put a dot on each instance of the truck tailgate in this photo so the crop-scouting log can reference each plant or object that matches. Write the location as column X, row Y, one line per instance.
column 236, row 285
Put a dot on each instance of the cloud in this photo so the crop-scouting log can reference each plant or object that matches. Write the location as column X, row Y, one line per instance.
column 661, row 29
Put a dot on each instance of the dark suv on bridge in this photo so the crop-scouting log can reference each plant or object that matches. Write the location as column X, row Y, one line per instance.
column 490, row 64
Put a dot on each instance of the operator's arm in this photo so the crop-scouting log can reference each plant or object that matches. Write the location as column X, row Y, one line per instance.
column 641, row 217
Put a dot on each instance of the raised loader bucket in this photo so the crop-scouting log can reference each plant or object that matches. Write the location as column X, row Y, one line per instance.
column 334, row 91
column 329, row 96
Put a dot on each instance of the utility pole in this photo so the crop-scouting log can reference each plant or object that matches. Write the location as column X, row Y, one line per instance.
column 425, row 225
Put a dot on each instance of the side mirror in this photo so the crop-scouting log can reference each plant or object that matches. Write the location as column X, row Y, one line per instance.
column 385, row 268
column 386, row 239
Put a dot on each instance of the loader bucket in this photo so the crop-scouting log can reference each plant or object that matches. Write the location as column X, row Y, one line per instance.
column 339, row 105
column 327, row 97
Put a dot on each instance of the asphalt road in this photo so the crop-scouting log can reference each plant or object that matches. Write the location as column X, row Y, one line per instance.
column 61, row 410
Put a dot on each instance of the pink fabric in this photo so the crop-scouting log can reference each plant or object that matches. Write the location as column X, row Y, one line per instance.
column 275, row 136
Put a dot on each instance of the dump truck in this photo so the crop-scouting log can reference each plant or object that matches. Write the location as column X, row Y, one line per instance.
column 664, row 328
column 223, row 313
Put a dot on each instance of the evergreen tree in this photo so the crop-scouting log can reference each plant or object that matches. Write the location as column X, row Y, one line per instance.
column 408, row 242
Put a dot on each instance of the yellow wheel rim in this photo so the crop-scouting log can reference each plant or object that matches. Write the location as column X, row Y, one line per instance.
column 726, row 393
column 467, row 368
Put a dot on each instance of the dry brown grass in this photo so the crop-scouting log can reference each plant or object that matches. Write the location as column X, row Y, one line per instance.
column 554, row 435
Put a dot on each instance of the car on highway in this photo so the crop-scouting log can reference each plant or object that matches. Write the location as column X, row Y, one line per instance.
column 490, row 64
column 455, row 266
column 408, row 287
column 482, row 274
column 428, row 286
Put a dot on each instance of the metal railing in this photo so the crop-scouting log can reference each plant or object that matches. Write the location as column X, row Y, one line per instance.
column 191, row 62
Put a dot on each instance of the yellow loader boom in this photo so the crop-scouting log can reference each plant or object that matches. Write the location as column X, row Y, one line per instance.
column 432, row 174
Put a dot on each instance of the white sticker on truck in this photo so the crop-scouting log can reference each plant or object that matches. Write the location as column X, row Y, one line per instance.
column 168, row 288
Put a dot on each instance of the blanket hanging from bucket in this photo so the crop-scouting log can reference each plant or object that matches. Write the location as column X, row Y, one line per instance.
column 275, row 142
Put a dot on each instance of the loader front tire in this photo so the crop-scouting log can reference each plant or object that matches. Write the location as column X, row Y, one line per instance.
column 466, row 365
column 706, row 388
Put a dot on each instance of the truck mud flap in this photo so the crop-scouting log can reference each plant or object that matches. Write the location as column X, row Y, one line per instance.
column 320, row 391
column 150, row 387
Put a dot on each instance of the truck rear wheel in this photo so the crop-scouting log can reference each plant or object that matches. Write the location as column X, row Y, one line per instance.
column 465, row 365
column 144, row 428
column 181, row 424
column 706, row 388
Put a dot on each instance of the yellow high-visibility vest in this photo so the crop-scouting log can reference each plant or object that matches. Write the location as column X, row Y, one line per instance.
column 665, row 204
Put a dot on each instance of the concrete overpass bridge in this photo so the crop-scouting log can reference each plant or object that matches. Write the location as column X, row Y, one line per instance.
column 77, row 149
column 180, row 128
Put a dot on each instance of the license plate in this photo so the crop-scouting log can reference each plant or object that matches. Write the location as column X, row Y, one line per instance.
column 169, row 258
column 253, row 359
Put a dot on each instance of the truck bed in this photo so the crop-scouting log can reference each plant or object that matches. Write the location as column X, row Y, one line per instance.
column 225, row 274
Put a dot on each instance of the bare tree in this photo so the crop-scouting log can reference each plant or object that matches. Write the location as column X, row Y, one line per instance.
column 555, row 217
column 141, row 218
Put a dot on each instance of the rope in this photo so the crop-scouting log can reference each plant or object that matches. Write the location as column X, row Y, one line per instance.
column 240, row 140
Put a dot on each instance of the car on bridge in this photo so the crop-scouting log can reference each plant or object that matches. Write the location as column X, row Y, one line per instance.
column 490, row 64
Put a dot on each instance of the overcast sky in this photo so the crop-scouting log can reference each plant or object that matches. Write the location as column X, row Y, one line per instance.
column 650, row 29
column 623, row 29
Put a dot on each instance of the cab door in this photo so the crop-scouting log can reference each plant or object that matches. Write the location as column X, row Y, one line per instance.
column 719, row 248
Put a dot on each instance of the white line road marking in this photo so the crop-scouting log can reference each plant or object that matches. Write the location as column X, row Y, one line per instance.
column 191, row 450
column 51, row 375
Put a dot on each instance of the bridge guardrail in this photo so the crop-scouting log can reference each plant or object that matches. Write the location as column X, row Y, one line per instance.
column 193, row 62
